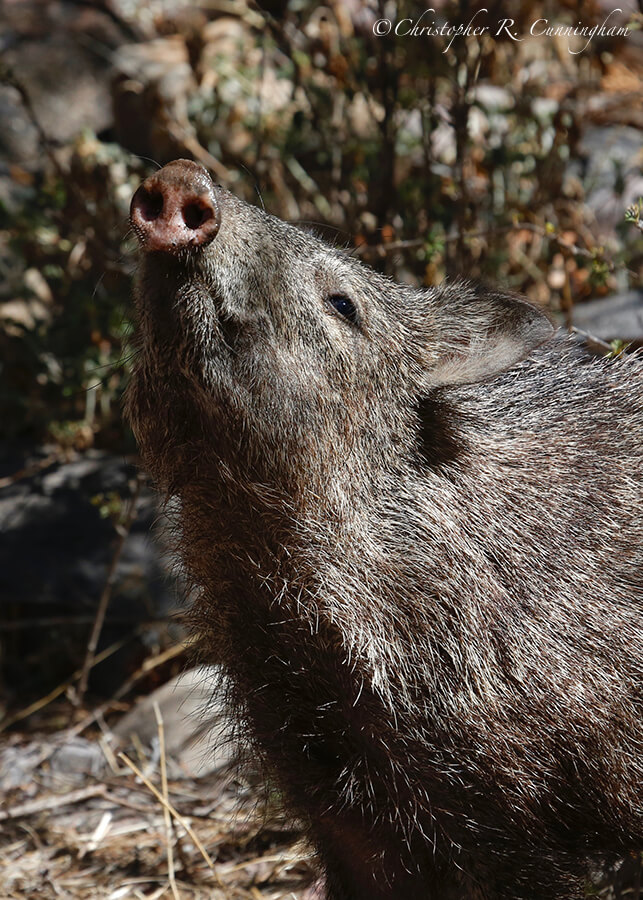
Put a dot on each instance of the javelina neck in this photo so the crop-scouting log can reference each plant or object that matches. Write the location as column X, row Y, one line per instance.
column 320, row 544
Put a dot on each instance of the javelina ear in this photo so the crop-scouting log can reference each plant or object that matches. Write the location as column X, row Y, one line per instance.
column 482, row 333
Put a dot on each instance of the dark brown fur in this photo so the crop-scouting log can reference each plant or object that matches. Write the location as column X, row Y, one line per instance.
column 417, row 545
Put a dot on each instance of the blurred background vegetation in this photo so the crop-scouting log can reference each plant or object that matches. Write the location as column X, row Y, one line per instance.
column 509, row 160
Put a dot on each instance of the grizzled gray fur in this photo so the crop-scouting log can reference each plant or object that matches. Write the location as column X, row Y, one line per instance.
column 414, row 522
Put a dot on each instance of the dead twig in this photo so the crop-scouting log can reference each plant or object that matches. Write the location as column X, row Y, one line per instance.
column 123, row 530
column 62, row 688
column 166, row 812
column 32, row 469
column 383, row 249
column 176, row 815
column 148, row 666
column 594, row 342
column 54, row 802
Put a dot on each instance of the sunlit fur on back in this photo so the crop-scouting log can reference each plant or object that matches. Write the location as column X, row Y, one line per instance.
column 417, row 543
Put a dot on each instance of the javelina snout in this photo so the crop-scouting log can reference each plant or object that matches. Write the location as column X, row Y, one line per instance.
column 414, row 522
column 175, row 209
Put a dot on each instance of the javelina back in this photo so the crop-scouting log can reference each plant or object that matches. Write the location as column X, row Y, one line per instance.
column 414, row 522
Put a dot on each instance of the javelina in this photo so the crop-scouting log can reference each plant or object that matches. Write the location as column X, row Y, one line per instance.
column 414, row 522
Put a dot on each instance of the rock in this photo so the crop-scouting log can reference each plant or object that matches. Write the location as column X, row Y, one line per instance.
column 54, row 558
column 612, row 171
column 195, row 723
column 72, row 42
column 618, row 317
column 151, row 83
column 72, row 764
column 18, row 763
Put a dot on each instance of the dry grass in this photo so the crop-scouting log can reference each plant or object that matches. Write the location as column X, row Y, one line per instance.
column 77, row 822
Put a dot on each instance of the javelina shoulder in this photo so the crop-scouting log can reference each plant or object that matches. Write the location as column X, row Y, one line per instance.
column 414, row 521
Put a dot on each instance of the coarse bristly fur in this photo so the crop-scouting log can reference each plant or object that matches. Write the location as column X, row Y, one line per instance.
column 416, row 534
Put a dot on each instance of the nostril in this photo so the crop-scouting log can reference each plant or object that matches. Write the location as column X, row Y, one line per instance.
column 196, row 214
column 175, row 209
column 150, row 205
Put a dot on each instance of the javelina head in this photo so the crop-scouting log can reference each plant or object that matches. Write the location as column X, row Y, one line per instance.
column 263, row 346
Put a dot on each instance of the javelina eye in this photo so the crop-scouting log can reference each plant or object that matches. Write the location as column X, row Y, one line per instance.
column 344, row 307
